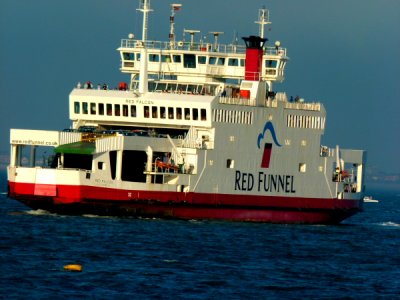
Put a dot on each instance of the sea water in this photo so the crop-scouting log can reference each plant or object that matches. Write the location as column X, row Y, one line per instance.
column 127, row 258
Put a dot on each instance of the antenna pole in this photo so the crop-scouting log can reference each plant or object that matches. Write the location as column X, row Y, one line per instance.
column 263, row 19
column 144, row 7
column 174, row 8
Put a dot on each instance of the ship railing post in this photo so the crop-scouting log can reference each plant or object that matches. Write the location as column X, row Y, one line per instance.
column 14, row 155
column 119, row 165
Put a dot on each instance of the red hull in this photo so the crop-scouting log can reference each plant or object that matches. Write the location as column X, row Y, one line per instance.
column 104, row 201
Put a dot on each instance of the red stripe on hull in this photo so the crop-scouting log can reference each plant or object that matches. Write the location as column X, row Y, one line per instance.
column 105, row 201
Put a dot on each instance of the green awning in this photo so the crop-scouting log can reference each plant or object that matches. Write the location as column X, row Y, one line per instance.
column 77, row 148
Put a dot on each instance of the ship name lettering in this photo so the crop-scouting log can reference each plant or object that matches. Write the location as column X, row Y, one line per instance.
column 244, row 181
column 266, row 182
column 138, row 101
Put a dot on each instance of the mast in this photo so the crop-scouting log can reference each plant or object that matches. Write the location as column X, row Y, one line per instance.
column 174, row 8
column 144, row 7
column 263, row 19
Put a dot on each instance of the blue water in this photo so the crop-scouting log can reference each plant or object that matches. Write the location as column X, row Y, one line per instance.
column 126, row 258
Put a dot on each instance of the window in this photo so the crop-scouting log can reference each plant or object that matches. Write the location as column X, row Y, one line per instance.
column 176, row 58
column 242, row 62
column 92, row 108
column 221, row 61
column 302, row 167
column 189, row 61
column 77, row 107
column 270, row 63
column 154, row 112
column 129, row 56
column 230, row 163
column 138, row 56
column 85, row 108
column 117, row 110
column 191, row 88
column 165, row 58
column 154, row 57
column 212, row 60
column 133, row 111
column 125, row 110
column 203, row 114
column 162, row 112
column 202, row 60
column 109, row 109
column 101, row 109
column 170, row 112
column 195, row 114
column 233, row 62
column 179, row 113
column 146, row 111
column 101, row 165
column 187, row 114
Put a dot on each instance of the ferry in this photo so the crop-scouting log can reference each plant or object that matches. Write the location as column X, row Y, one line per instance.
column 197, row 132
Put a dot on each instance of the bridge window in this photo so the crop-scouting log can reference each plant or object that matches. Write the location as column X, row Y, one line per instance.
column 154, row 57
column 202, row 60
column 109, row 110
column 138, row 56
column 189, row 61
column 176, row 58
column 77, row 107
column 146, row 112
column 234, row 62
column 165, row 58
column 271, row 63
column 221, row 61
column 129, row 56
column 242, row 62
column 212, row 60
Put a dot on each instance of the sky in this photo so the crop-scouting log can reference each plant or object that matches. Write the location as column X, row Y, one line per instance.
column 343, row 53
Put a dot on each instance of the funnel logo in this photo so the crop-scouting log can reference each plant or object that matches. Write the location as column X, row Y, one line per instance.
column 267, row 146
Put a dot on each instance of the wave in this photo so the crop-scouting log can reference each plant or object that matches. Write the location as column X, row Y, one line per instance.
column 390, row 224
column 39, row 212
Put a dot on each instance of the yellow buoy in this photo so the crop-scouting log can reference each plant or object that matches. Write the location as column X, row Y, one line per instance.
column 73, row 267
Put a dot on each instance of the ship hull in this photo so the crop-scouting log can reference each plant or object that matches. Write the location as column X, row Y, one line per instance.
column 81, row 200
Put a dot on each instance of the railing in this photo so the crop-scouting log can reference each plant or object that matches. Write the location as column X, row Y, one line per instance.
column 188, row 46
column 237, row 101
column 303, row 106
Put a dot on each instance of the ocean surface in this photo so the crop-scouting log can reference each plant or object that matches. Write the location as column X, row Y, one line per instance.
column 126, row 258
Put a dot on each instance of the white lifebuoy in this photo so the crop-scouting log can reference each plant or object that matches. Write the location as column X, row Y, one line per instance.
column 180, row 43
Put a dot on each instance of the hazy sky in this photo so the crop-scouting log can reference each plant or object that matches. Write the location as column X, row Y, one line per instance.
column 344, row 53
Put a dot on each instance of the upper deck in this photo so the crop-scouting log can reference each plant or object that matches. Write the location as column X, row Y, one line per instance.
column 198, row 62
